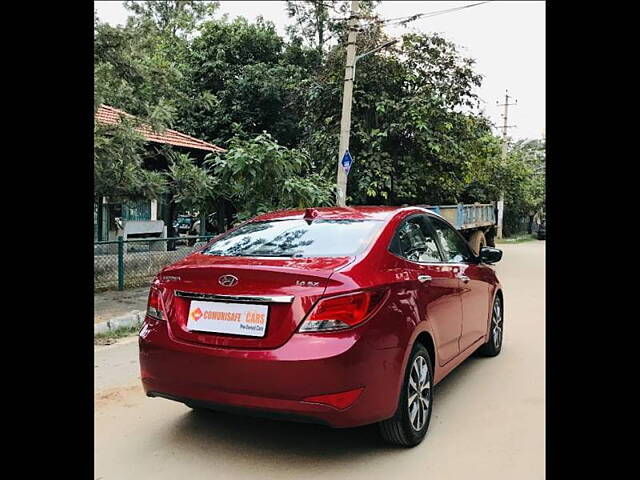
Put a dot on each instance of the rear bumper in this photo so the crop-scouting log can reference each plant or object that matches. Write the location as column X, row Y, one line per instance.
column 275, row 381
column 220, row 407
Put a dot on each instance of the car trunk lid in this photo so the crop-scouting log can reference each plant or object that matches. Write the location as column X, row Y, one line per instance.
column 288, row 287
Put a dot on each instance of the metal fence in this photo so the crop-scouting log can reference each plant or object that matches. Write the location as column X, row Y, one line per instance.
column 124, row 264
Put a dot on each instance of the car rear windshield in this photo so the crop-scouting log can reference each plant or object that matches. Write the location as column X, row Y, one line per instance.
column 296, row 238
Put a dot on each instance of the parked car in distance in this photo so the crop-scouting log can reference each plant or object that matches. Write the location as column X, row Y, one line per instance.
column 340, row 316
column 210, row 224
column 542, row 230
column 184, row 224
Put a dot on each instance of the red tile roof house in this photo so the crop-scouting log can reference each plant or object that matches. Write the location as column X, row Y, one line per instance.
column 145, row 209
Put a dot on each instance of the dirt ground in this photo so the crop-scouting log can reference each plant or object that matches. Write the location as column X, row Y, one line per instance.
column 107, row 305
column 488, row 418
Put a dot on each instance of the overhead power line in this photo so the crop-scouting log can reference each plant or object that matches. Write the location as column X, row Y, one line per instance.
column 375, row 20
column 398, row 20
column 411, row 18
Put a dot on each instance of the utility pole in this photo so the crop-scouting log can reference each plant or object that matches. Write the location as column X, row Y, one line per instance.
column 345, row 122
column 505, row 126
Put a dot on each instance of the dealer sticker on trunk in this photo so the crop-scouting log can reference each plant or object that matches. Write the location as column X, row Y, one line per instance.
column 229, row 318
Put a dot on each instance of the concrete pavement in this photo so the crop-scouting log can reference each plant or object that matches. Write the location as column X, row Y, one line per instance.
column 114, row 309
column 107, row 305
column 487, row 422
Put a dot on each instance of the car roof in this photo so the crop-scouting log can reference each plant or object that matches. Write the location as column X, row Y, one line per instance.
column 340, row 213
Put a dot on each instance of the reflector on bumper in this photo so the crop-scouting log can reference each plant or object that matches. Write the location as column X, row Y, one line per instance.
column 339, row 401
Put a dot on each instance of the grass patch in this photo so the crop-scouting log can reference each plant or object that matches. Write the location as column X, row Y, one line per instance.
column 525, row 237
column 112, row 336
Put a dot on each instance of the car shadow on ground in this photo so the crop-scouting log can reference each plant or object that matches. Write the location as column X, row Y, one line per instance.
column 273, row 438
column 453, row 384
column 254, row 436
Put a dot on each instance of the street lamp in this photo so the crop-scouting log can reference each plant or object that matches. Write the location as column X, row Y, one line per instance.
column 358, row 57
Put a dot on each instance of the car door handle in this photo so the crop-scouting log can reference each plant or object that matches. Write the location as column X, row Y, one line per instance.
column 424, row 278
column 464, row 278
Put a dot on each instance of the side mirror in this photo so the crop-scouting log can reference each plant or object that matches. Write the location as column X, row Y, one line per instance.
column 490, row 254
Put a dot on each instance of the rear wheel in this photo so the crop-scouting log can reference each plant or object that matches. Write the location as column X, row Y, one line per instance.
column 491, row 238
column 409, row 424
column 496, row 331
column 477, row 241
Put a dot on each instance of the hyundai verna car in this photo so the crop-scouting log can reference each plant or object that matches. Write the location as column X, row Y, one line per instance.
column 341, row 316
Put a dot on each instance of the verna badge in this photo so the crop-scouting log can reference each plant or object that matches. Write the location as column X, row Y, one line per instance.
column 228, row 280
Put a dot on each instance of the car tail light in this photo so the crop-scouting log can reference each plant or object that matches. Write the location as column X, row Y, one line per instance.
column 340, row 312
column 154, row 305
column 340, row 400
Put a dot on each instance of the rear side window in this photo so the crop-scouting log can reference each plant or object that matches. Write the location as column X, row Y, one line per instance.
column 414, row 241
column 297, row 238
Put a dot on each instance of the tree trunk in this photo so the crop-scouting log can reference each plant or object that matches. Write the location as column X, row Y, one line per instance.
column 228, row 210
column 320, row 26
column 220, row 216
column 203, row 223
column 170, row 211
column 99, row 220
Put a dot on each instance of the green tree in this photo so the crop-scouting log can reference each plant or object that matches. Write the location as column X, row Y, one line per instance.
column 253, row 79
column 139, row 68
column 415, row 132
column 173, row 18
column 259, row 175
column 126, row 76
column 118, row 164
column 193, row 187
column 524, row 184
column 318, row 21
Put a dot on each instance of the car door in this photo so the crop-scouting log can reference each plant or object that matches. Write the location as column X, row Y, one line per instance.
column 438, row 294
column 474, row 285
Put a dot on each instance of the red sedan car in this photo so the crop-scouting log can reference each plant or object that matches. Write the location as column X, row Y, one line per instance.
column 342, row 316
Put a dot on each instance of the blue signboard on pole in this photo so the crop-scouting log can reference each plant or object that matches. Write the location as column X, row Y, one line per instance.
column 346, row 162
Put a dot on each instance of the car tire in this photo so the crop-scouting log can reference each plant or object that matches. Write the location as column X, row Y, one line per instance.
column 477, row 241
column 493, row 346
column 491, row 238
column 401, row 429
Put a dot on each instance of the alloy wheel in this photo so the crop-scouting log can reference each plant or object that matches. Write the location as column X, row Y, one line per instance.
column 496, row 321
column 419, row 400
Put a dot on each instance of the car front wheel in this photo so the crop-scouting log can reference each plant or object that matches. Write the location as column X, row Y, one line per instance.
column 496, row 331
column 409, row 424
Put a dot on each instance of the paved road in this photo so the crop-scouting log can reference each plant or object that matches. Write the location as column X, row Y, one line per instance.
column 487, row 423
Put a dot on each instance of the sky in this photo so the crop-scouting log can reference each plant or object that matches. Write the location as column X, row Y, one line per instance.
column 507, row 40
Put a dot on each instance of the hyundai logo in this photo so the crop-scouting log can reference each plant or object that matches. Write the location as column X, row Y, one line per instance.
column 228, row 280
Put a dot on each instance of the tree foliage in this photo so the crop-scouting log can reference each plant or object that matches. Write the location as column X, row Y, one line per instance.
column 411, row 140
column 139, row 68
column 193, row 187
column 253, row 79
column 316, row 22
column 119, row 172
column 172, row 18
column 261, row 176
column 524, row 183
